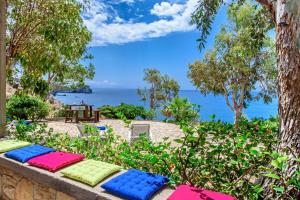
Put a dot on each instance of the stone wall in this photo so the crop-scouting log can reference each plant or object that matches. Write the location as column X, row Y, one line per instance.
column 20, row 181
column 15, row 187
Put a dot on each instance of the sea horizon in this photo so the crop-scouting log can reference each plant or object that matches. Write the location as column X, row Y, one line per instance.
column 209, row 104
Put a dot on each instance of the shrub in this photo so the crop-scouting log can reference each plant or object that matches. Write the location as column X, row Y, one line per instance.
column 27, row 107
column 180, row 109
column 212, row 155
column 60, row 112
column 90, row 130
column 129, row 111
column 108, row 111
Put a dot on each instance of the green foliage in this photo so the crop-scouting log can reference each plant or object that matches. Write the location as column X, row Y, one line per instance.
column 203, row 18
column 236, row 67
column 213, row 155
column 286, row 181
column 60, row 112
column 27, row 107
column 204, row 15
column 129, row 111
column 180, row 110
column 90, row 130
column 162, row 88
column 43, row 44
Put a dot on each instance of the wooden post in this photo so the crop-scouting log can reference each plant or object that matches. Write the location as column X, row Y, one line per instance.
column 2, row 67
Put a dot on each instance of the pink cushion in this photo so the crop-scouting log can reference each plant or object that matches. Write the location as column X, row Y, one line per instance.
column 56, row 160
column 184, row 191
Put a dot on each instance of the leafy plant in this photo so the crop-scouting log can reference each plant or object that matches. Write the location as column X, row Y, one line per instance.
column 180, row 110
column 129, row 111
column 27, row 107
column 212, row 155
column 284, row 180
column 90, row 130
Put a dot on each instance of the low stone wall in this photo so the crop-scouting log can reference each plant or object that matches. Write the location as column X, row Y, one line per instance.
column 15, row 187
column 23, row 182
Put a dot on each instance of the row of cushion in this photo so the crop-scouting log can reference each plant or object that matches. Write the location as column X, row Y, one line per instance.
column 133, row 184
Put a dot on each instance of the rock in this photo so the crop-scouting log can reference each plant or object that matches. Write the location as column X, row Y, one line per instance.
column 43, row 193
column 9, row 91
column 0, row 185
column 85, row 89
column 24, row 190
column 8, row 192
column 63, row 196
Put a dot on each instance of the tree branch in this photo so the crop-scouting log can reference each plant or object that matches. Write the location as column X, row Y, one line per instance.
column 227, row 98
column 242, row 96
column 270, row 5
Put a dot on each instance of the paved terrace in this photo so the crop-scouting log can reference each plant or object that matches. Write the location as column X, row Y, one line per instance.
column 158, row 129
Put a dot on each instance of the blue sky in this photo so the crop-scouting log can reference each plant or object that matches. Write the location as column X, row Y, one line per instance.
column 131, row 35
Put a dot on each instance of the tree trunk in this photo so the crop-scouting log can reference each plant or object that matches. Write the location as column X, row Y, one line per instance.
column 288, row 48
column 237, row 116
column 2, row 67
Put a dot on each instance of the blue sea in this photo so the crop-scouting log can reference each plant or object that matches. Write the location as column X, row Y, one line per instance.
column 209, row 105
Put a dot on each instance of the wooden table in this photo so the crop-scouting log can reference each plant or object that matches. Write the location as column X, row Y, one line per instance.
column 87, row 111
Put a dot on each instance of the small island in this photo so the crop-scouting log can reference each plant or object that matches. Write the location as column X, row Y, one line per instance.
column 85, row 89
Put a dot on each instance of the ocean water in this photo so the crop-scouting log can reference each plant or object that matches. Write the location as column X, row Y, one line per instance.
column 209, row 105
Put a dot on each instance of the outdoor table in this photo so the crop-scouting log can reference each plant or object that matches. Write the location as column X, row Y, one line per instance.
column 87, row 111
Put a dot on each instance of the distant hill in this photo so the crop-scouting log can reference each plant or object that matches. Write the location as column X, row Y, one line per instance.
column 85, row 89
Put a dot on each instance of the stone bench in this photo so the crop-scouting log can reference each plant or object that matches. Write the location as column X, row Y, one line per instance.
column 23, row 182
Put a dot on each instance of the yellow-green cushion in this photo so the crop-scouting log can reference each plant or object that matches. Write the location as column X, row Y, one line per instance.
column 7, row 145
column 90, row 172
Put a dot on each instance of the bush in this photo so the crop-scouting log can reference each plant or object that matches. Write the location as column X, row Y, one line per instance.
column 129, row 111
column 212, row 155
column 180, row 110
column 90, row 130
column 23, row 107
column 60, row 112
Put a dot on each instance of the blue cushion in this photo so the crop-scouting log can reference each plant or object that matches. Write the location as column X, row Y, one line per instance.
column 101, row 128
column 135, row 185
column 25, row 153
column 26, row 122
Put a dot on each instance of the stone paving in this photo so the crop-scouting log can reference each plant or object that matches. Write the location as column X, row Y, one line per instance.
column 158, row 129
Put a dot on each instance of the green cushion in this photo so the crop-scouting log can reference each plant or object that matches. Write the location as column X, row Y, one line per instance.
column 90, row 172
column 7, row 145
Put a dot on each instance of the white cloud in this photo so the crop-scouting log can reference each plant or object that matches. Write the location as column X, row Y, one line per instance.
column 167, row 9
column 127, row 1
column 101, row 83
column 120, row 31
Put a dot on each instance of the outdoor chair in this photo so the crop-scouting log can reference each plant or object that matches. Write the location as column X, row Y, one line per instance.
column 96, row 116
column 69, row 115
column 137, row 130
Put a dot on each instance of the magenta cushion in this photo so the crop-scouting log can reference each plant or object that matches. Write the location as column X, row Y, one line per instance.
column 192, row 193
column 55, row 161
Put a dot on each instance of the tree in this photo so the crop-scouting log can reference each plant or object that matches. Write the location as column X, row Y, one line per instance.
column 234, row 68
column 285, row 15
column 47, row 39
column 162, row 88
column 2, row 67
